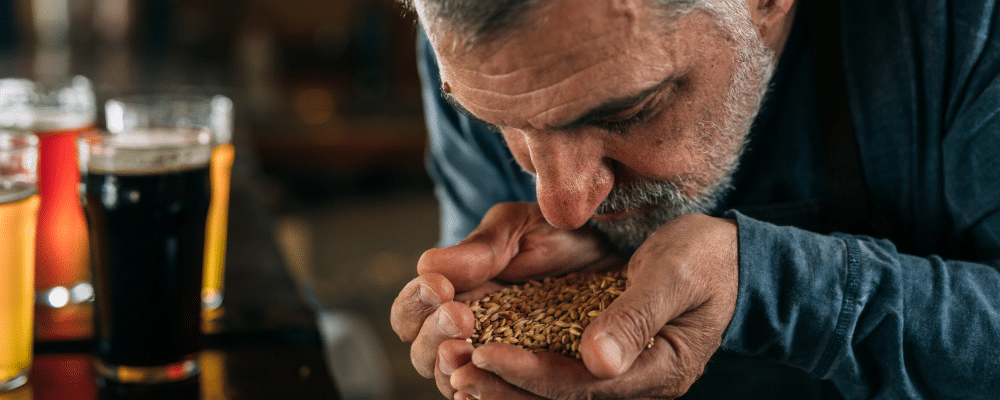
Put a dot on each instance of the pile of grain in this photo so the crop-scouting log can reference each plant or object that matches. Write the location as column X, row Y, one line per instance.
column 546, row 315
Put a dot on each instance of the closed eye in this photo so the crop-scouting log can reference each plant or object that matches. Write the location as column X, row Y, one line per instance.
column 623, row 126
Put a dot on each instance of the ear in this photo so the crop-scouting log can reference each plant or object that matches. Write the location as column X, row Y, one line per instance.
column 773, row 19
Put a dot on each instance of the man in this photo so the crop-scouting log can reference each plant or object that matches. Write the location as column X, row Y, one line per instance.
column 810, row 185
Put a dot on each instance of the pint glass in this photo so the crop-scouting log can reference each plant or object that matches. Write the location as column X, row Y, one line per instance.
column 195, row 110
column 18, row 216
column 146, row 198
column 57, row 111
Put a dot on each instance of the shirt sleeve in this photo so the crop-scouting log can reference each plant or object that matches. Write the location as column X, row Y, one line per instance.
column 470, row 165
column 878, row 323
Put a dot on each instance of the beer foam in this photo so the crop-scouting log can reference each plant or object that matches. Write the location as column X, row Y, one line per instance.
column 47, row 120
column 148, row 151
column 14, row 191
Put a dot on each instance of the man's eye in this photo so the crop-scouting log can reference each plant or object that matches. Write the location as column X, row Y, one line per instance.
column 623, row 126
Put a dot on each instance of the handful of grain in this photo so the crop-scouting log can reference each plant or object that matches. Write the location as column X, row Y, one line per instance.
column 547, row 315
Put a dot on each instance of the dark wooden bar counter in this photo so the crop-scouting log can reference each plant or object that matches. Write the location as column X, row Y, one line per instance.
column 264, row 345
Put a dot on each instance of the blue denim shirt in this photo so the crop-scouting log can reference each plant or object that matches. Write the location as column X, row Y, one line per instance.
column 917, row 317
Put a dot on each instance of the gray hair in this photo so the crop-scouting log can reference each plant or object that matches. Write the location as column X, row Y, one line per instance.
column 487, row 20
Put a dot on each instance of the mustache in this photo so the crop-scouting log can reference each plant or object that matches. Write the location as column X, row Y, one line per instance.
column 657, row 202
column 641, row 193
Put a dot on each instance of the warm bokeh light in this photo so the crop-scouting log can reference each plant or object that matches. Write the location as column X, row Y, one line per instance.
column 313, row 106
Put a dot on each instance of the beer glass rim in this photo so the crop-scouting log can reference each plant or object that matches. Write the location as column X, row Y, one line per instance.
column 219, row 108
column 154, row 95
column 186, row 136
column 37, row 103
column 41, row 89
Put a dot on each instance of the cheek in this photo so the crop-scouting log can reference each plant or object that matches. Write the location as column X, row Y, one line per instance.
column 659, row 150
column 681, row 139
column 519, row 149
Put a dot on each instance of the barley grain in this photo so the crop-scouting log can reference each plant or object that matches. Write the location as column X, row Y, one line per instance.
column 546, row 315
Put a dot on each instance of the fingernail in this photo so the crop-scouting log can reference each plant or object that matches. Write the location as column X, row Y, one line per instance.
column 444, row 366
column 446, row 323
column 465, row 396
column 611, row 351
column 481, row 363
column 428, row 295
column 469, row 390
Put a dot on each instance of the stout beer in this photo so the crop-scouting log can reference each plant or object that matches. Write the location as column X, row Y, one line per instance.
column 146, row 199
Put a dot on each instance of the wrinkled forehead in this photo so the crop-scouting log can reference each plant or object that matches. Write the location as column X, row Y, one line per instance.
column 566, row 54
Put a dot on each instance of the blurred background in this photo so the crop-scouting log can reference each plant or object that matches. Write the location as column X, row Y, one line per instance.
column 328, row 114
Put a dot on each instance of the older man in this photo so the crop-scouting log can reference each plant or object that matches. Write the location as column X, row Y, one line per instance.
column 809, row 186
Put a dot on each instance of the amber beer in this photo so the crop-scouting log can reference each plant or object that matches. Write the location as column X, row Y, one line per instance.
column 220, row 120
column 18, row 215
column 221, row 168
column 146, row 199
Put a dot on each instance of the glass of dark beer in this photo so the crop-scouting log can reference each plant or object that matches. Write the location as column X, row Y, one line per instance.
column 192, row 108
column 146, row 198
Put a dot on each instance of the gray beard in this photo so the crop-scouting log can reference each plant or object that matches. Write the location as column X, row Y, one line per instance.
column 657, row 202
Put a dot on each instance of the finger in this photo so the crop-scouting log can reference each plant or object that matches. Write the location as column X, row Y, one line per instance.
column 548, row 251
column 452, row 354
column 545, row 374
column 484, row 385
column 418, row 299
column 452, row 320
column 551, row 375
column 613, row 340
column 484, row 253
column 687, row 265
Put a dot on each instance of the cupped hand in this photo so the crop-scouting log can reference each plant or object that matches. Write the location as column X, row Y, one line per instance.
column 681, row 291
column 513, row 243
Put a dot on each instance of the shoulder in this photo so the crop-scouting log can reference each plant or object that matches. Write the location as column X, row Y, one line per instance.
column 918, row 62
column 921, row 41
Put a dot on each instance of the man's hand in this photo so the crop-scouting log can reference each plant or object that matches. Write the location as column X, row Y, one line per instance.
column 682, row 286
column 513, row 243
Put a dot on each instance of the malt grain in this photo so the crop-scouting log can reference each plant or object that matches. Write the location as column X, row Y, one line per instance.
column 546, row 315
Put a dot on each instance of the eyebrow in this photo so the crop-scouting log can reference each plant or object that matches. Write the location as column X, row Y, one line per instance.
column 468, row 114
column 592, row 117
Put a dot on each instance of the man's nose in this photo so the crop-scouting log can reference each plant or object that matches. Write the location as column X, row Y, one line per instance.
column 573, row 175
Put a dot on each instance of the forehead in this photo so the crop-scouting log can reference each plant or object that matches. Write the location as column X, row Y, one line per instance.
column 566, row 57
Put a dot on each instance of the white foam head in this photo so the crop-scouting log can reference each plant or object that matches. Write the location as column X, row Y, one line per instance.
column 147, row 151
column 52, row 120
column 47, row 107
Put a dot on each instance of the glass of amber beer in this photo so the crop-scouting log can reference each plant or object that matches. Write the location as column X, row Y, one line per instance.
column 57, row 111
column 146, row 198
column 194, row 109
column 18, row 218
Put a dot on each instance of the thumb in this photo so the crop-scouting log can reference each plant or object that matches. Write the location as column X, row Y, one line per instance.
column 484, row 253
column 614, row 339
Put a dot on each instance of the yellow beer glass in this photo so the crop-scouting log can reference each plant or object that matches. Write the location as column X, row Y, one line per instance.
column 19, row 204
column 57, row 111
column 223, row 155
